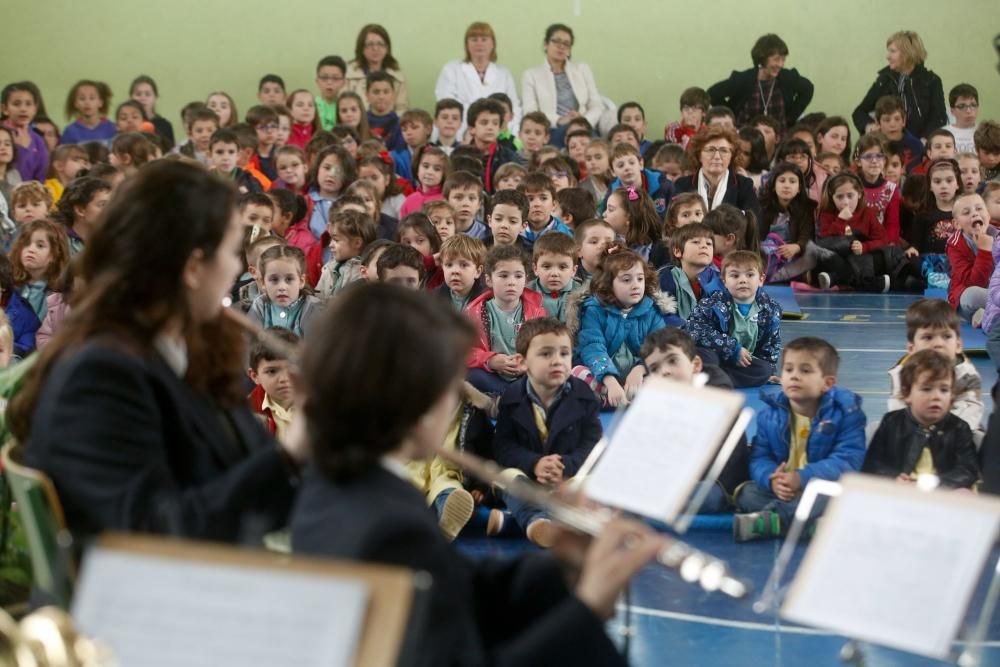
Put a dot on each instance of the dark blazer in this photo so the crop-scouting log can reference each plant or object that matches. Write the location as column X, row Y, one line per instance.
column 512, row 613
column 924, row 94
column 574, row 428
column 899, row 440
column 739, row 192
column 796, row 91
column 130, row 446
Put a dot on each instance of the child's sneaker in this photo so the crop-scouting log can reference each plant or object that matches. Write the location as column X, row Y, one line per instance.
column 542, row 532
column 456, row 513
column 887, row 282
column 824, row 280
column 756, row 526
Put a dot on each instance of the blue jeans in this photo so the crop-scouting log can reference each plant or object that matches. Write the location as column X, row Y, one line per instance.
column 993, row 343
column 486, row 382
column 715, row 501
column 972, row 299
column 440, row 501
column 752, row 498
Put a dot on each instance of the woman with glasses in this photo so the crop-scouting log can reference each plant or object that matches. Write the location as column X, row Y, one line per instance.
column 373, row 53
column 478, row 75
column 713, row 149
column 560, row 88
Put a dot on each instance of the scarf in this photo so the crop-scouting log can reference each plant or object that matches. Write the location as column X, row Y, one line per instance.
column 720, row 191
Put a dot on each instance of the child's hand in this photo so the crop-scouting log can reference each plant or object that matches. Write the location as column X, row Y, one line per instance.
column 616, row 395
column 505, row 363
column 789, row 250
column 477, row 496
column 549, row 469
column 911, row 252
column 437, row 259
column 856, row 247
column 845, row 213
column 984, row 241
column 634, row 381
column 745, row 358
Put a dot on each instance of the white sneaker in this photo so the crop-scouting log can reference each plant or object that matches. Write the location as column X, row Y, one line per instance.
column 885, row 278
column 977, row 318
column 824, row 280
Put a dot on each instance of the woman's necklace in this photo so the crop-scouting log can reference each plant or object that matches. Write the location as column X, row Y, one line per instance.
column 766, row 102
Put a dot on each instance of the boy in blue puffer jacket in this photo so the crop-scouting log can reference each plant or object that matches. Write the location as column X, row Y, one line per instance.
column 812, row 429
column 738, row 328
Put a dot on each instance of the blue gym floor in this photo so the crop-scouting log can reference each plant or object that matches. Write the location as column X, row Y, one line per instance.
column 675, row 623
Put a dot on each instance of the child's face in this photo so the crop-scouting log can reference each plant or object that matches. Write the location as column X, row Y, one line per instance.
column 672, row 363
column 624, row 138
column 993, row 204
column 834, row 141
column 88, row 214
column 460, row 274
column 416, row 134
column 616, row 215
column 374, row 176
column 271, row 93
column 291, row 169
column 597, row 160
column 941, row 147
column 629, row 286
column 770, row 138
column 129, row 120
column 283, row 281
column 832, row 165
column 577, row 149
column 971, row 176
column 369, row 271
column 892, row 124
column 430, row 171
column 303, row 108
column 808, row 138
column 344, row 246
column 554, row 271
column 988, row 159
column 486, row 129
column 25, row 210
column 349, row 111
column 540, row 207
column 506, row 223
column 255, row 214
column 87, row 102
column 366, row 196
column 6, row 350
column 725, row 122
column 20, row 108
column 786, row 186
column 284, row 130
column 965, row 111
column 741, row 156
column 443, row 221
column 404, row 276
column 49, row 133
column 894, row 168
column 560, row 179
column 929, row 398
column 533, row 136
column 381, row 97
column 330, row 176
column 846, row 196
column 802, row 378
column 35, row 256
column 800, row 160
column 548, row 360
column 633, row 118
column 692, row 116
column 66, row 169
column 330, row 80
column 628, row 168
column 448, row 122
column 872, row 163
column 970, row 214
column 743, row 282
column 507, row 281
column 697, row 252
column 510, row 182
column 671, row 170
column 201, row 134
column 220, row 105
column 415, row 238
column 466, row 202
column 940, row 339
column 688, row 213
column 276, row 379
column 596, row 240
column 943, row 185
column 223, row 157
column 267, row 135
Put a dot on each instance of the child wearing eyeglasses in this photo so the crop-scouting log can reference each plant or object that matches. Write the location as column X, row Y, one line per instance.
column 330, row 81
column 964, row 102
column 881, row 194
column 264, row 121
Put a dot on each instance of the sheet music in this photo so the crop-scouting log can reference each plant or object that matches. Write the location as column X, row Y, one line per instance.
column 894, row 566
column 662, row 447
column 164, row 612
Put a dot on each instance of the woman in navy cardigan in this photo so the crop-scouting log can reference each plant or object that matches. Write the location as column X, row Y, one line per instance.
column 714, row 148
column 357, row 501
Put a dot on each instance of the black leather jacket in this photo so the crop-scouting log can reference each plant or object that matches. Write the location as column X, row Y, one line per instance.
column 924, row 95
column 899, row 440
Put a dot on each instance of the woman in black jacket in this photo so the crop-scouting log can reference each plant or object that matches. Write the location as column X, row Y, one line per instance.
column 716, row 179
column 767, row 89
column 906, row 77
column 137, row 408
column 365, row 418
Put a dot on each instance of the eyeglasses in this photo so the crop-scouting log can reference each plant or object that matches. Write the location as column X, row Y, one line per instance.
column 715, row 150
column 268, row 127
column 375, row 45
column 971, row 106
column 330, row 77
column 872, row 157
column 561, row 42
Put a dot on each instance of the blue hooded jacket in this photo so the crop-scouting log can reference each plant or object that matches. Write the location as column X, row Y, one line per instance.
column 836, row 437
column 709, row 326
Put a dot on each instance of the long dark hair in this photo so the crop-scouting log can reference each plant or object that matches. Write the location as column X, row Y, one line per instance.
column 134, row 282
column 351, row 430
column 388, row 62
column 801, row 209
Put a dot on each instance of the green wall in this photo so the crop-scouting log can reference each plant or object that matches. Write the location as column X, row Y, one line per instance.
column 649, row 53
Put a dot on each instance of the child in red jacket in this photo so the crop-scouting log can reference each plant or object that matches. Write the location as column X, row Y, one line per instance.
column 274, row 396
column 970, row 256
column 852, row 231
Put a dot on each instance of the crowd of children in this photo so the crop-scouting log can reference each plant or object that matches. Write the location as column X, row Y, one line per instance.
column 586, row 266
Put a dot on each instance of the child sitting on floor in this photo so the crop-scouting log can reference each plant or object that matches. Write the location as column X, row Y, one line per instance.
column 812, row 429
column 851, row 230
column 925, row 438
column 273, row 397
column 553, row 266
column 971, row 259
column 462, row 258
column 692, row 277
column 739, row 328
column 286, row 302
